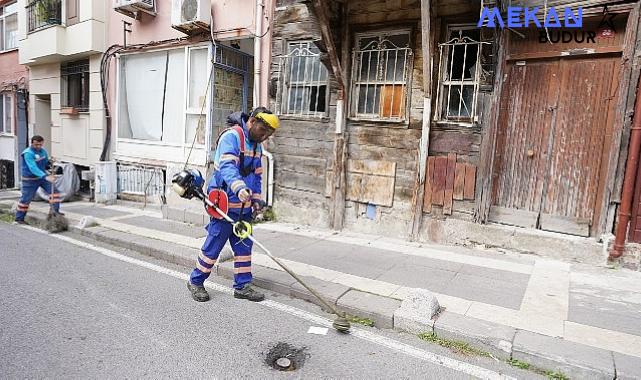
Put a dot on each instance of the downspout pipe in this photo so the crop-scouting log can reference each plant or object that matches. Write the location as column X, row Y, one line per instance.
column 257, row 101
column 628, row 180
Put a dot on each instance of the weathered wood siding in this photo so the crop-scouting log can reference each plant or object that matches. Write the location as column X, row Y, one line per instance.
column 302, row 147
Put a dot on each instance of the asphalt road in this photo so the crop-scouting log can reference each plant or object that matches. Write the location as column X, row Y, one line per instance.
column 70, row 309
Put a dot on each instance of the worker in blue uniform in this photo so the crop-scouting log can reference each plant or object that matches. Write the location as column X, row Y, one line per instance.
column 34, row 162
column 237, row 171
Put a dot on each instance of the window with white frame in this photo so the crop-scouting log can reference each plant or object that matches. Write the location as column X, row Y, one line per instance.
column 304, row 81
column 161, row 95
column 381, row 69
column 6, row 114
column 9, row 26
column 460, row 74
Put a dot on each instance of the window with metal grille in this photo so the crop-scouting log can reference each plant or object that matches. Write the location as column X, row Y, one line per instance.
column 460, row 75
column 75, row 85
column 381, row 67
column 305, row 81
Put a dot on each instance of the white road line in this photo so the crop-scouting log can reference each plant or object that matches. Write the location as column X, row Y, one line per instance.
column 444, row 361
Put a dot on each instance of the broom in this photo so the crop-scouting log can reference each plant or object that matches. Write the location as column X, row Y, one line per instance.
column 56, row 222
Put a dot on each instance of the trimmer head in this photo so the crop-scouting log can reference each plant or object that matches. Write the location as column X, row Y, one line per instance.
column 341, row 324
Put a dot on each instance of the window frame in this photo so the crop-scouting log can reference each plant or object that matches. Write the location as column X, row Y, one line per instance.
column 12, row 121
column 3, row 26
column 444, row 53
column 407, row 83
column 286, row 86
column 85, row 81
column 185, row 109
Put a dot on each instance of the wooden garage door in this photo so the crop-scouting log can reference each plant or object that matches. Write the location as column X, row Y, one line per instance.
column 554, row 133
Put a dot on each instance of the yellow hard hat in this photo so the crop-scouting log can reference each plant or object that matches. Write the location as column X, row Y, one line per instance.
column 269, row 119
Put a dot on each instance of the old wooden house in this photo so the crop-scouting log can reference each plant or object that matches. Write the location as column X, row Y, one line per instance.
column 405, row 118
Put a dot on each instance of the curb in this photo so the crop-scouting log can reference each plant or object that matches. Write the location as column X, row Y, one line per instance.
column 502, row 342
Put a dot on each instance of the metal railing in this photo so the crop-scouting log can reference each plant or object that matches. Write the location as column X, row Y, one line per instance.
column 141, row 180
column 304, row 90
column 460, row 79
column 380, row 80
column 43, row 13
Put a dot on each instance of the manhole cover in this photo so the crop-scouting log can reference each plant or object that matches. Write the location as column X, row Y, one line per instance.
column 285, row 357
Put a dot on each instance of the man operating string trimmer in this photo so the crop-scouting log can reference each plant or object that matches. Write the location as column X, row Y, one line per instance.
column 238, row 173
column 232, row 194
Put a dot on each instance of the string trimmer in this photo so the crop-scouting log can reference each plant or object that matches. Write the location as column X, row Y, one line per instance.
column 188, row 184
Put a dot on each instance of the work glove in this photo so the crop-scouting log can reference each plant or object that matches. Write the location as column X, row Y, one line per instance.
column 244, row 195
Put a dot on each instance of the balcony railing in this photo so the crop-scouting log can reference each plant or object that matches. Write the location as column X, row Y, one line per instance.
column 43, row 13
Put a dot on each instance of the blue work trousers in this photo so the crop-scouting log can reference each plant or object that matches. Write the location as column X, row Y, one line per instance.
column 29, row 188
column 218, row 233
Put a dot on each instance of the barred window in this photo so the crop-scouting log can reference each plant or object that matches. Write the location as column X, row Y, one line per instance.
column 460, row 74
column 75, row 85
column 381, row 67
column 305, row 81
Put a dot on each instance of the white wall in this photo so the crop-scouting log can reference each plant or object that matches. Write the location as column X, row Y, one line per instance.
column 7, row 147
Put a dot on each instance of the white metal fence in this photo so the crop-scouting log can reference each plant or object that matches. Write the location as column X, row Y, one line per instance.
column 141, row 180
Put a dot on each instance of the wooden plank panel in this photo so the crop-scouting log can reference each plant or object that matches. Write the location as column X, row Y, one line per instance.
column 381, row 168
column 392, row 101
column 470, row 181
column 566, row 225
column 365, row 188
column 429, row 185
column 300, row 181
column 459, row 181
column 440, row 173
column 449, row 184
column 513, row 217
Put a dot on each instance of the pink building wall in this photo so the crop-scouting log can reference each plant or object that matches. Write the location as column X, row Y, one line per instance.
column 10, row 70
column 231, row 19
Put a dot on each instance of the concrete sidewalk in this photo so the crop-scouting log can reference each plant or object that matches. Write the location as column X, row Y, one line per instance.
column 582, row 320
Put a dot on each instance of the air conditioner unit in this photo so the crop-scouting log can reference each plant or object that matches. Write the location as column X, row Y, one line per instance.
column 191, row 15
column 132, row 8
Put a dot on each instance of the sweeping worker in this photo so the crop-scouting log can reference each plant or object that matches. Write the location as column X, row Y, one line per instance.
column 238, row 172
column 34, row 162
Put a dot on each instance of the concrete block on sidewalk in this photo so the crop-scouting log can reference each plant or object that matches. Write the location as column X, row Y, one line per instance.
column 366, row 305
column 491, row 337
column 417, row 312
column 627, row 367
column 330, row 291
column 573, row 359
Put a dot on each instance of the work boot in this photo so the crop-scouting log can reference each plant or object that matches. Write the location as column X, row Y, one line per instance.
column 22, row 222
column 248, row 293
column 198, row 293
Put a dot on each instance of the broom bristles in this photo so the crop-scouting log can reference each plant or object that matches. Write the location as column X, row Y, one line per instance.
column 56, row 223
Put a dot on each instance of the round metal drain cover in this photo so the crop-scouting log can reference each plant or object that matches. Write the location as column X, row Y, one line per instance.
column 285, row 357
column 283, row 363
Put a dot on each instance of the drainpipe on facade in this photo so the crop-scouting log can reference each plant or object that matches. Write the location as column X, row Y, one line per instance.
column 258, row 34
column 628, row 180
